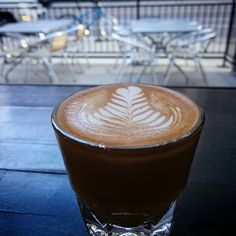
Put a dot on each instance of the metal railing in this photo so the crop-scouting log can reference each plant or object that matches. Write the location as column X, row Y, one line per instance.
column 216, row 15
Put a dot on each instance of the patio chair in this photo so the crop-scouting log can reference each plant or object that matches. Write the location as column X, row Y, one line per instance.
column 39, row 50
column 122, row 30
column 76, row 38
column 136, row 52
column 189, row 46
column 13, row 47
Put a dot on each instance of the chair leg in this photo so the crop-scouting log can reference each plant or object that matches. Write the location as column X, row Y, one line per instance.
column 80, row 67
column 65, row 55
column 84, row 52
column 142, row 73
column 15, row 64
column 2, row 68
column 131, row 74
column 50, row 71
column 203, row 73
column 153, row 73
column 81, row 71
column 168, row 72
column 85, row 55
column 122, row 71
column 116, row 63
column 118, row 57
column 182, row 72
column 196, row 65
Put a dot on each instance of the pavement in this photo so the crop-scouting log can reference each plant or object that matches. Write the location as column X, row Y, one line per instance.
column 105, row 71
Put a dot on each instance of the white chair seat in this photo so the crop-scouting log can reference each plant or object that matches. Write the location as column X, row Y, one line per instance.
column 188, row 46
column 138, row 52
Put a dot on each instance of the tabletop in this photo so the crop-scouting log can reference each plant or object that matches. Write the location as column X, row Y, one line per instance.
column 35, row 194
column 156, row 25
column 35, row 27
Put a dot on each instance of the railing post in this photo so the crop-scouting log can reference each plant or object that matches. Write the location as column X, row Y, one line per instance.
column 229, row 33
column 137, row 9
column 234, row 61
column 234, row 58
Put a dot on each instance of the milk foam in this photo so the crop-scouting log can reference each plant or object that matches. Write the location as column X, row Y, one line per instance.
column 128, row 115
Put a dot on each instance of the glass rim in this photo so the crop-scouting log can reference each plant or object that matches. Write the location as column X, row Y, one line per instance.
column 56, row 125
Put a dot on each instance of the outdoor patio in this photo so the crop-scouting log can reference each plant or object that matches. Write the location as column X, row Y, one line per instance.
column 105, row 57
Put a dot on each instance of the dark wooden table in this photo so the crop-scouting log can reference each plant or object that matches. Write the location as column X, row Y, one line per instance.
column 35, row 195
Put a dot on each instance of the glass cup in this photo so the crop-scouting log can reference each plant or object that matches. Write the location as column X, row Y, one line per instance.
column 128, row 191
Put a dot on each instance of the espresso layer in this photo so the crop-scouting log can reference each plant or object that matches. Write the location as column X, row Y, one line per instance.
column 128, row 115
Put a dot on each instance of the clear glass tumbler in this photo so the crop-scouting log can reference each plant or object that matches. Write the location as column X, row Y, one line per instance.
column 132, row 190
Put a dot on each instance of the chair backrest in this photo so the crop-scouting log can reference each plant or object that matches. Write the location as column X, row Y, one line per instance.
column 106, row 25
column 13, row 44
column 58, row 41
column 81, row 32
column 121, row 30
column 52, row 42
column 199, row 38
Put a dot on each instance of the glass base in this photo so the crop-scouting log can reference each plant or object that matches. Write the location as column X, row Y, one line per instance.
column 96, row 228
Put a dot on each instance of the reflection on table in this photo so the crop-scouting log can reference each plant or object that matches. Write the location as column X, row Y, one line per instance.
column 156, row 25
column 36, row 27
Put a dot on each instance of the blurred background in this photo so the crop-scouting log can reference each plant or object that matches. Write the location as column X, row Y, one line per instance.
column 190, row 43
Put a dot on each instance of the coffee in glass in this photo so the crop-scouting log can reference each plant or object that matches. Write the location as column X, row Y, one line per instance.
column 128, row 150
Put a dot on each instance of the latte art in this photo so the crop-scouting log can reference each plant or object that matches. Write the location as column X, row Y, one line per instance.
column 128, row 115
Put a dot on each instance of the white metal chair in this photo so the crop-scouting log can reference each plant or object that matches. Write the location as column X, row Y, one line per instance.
column 13, row 48
column 77, row 35
column 106, row 25
column 39, row 50
column 122, row 30
column 136, row 51
column 189, row 46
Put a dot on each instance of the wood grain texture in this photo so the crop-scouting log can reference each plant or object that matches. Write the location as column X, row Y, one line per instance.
column 28, row 225
column 27, row 125
column 30, row 156
column 2, row 173
column 34, row 203
column 38, row 194
column 38, row 204
column 43, row 203
column 39, row 95
column 206, row 209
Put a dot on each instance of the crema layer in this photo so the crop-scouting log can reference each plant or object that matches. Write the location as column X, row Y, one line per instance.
column 128, row 115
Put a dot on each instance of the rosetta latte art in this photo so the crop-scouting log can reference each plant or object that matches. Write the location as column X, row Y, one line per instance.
column 129, row 114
